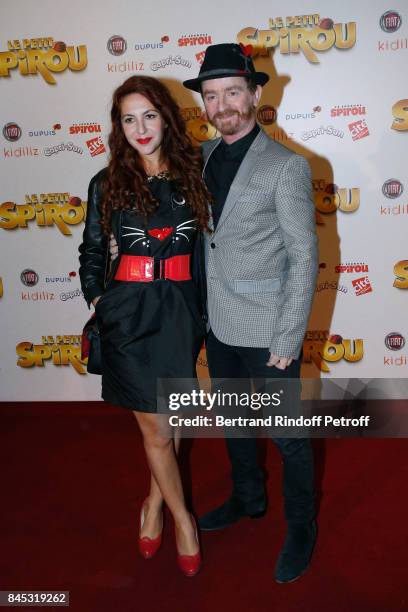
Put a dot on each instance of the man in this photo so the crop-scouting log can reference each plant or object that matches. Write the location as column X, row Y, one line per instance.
column 261, row 267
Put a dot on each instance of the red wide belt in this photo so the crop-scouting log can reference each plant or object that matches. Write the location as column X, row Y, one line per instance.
column 144, row 269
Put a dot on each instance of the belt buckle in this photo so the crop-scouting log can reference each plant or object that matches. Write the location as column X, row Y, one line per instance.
column 149, row 270
column 158, row 269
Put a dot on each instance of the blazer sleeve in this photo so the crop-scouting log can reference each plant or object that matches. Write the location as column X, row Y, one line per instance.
column 93, row 249
column 296, row 215
column 198, row 274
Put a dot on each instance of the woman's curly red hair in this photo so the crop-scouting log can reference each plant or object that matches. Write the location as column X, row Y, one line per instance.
column 125, row 184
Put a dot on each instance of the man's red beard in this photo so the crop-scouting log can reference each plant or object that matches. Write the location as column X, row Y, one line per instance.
column 243, row 117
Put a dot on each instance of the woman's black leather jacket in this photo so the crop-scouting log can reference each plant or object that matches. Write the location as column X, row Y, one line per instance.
column 96, row 268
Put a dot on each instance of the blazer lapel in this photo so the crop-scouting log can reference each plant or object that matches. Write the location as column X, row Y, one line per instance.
column 242, row 177
column 207, row 151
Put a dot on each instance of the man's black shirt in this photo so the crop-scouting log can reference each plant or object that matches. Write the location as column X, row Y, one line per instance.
column 222, row 168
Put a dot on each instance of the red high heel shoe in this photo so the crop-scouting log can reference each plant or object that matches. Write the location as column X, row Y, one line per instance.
column 148, row 547
column 190, row 564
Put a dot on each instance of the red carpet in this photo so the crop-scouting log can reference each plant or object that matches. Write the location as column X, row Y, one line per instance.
column 72, row 480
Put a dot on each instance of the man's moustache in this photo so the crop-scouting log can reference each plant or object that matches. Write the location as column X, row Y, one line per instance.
column 226, row 114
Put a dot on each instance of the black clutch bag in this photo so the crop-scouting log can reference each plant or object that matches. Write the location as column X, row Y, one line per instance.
column 91, row 346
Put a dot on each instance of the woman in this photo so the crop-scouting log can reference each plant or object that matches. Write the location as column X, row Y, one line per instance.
column 152, row 198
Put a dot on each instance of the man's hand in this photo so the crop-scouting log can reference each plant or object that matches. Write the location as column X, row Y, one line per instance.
column 113, row 247
column 95, row 301
column 279, row 362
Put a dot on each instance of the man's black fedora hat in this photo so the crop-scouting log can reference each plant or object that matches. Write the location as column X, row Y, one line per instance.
column 225, row 60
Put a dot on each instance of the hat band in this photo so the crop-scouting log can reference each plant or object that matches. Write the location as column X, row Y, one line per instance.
column 222, row 71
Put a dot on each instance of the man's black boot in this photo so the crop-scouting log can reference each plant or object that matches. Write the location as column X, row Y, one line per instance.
column 294, row 558
column 231, row 511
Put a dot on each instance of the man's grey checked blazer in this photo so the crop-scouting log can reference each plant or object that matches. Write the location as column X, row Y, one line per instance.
column 262, row 259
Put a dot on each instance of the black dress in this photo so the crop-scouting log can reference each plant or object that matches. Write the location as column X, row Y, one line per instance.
column 151, row 330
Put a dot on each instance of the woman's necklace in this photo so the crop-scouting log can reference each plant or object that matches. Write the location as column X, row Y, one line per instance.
column 164, row 175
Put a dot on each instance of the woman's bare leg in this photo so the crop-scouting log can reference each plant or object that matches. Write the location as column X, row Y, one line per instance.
column 165, row 484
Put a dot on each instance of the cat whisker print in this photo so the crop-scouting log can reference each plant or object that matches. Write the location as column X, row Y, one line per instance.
column 184, row 227
column 138, row 231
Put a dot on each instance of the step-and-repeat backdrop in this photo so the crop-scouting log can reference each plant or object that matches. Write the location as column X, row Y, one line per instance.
column 338, row 94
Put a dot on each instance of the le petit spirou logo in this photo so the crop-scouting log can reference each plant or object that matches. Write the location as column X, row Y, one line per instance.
column 42, row 56
column 401, row 274
column 400, row 114
column 198, row 127
column 59, row 350
column 329, row 198
column 45, row 209
column 321, row 348
column 302, row 33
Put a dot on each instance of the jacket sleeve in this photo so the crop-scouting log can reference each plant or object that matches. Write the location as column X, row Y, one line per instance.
column 93, row 249
column 296, row 214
